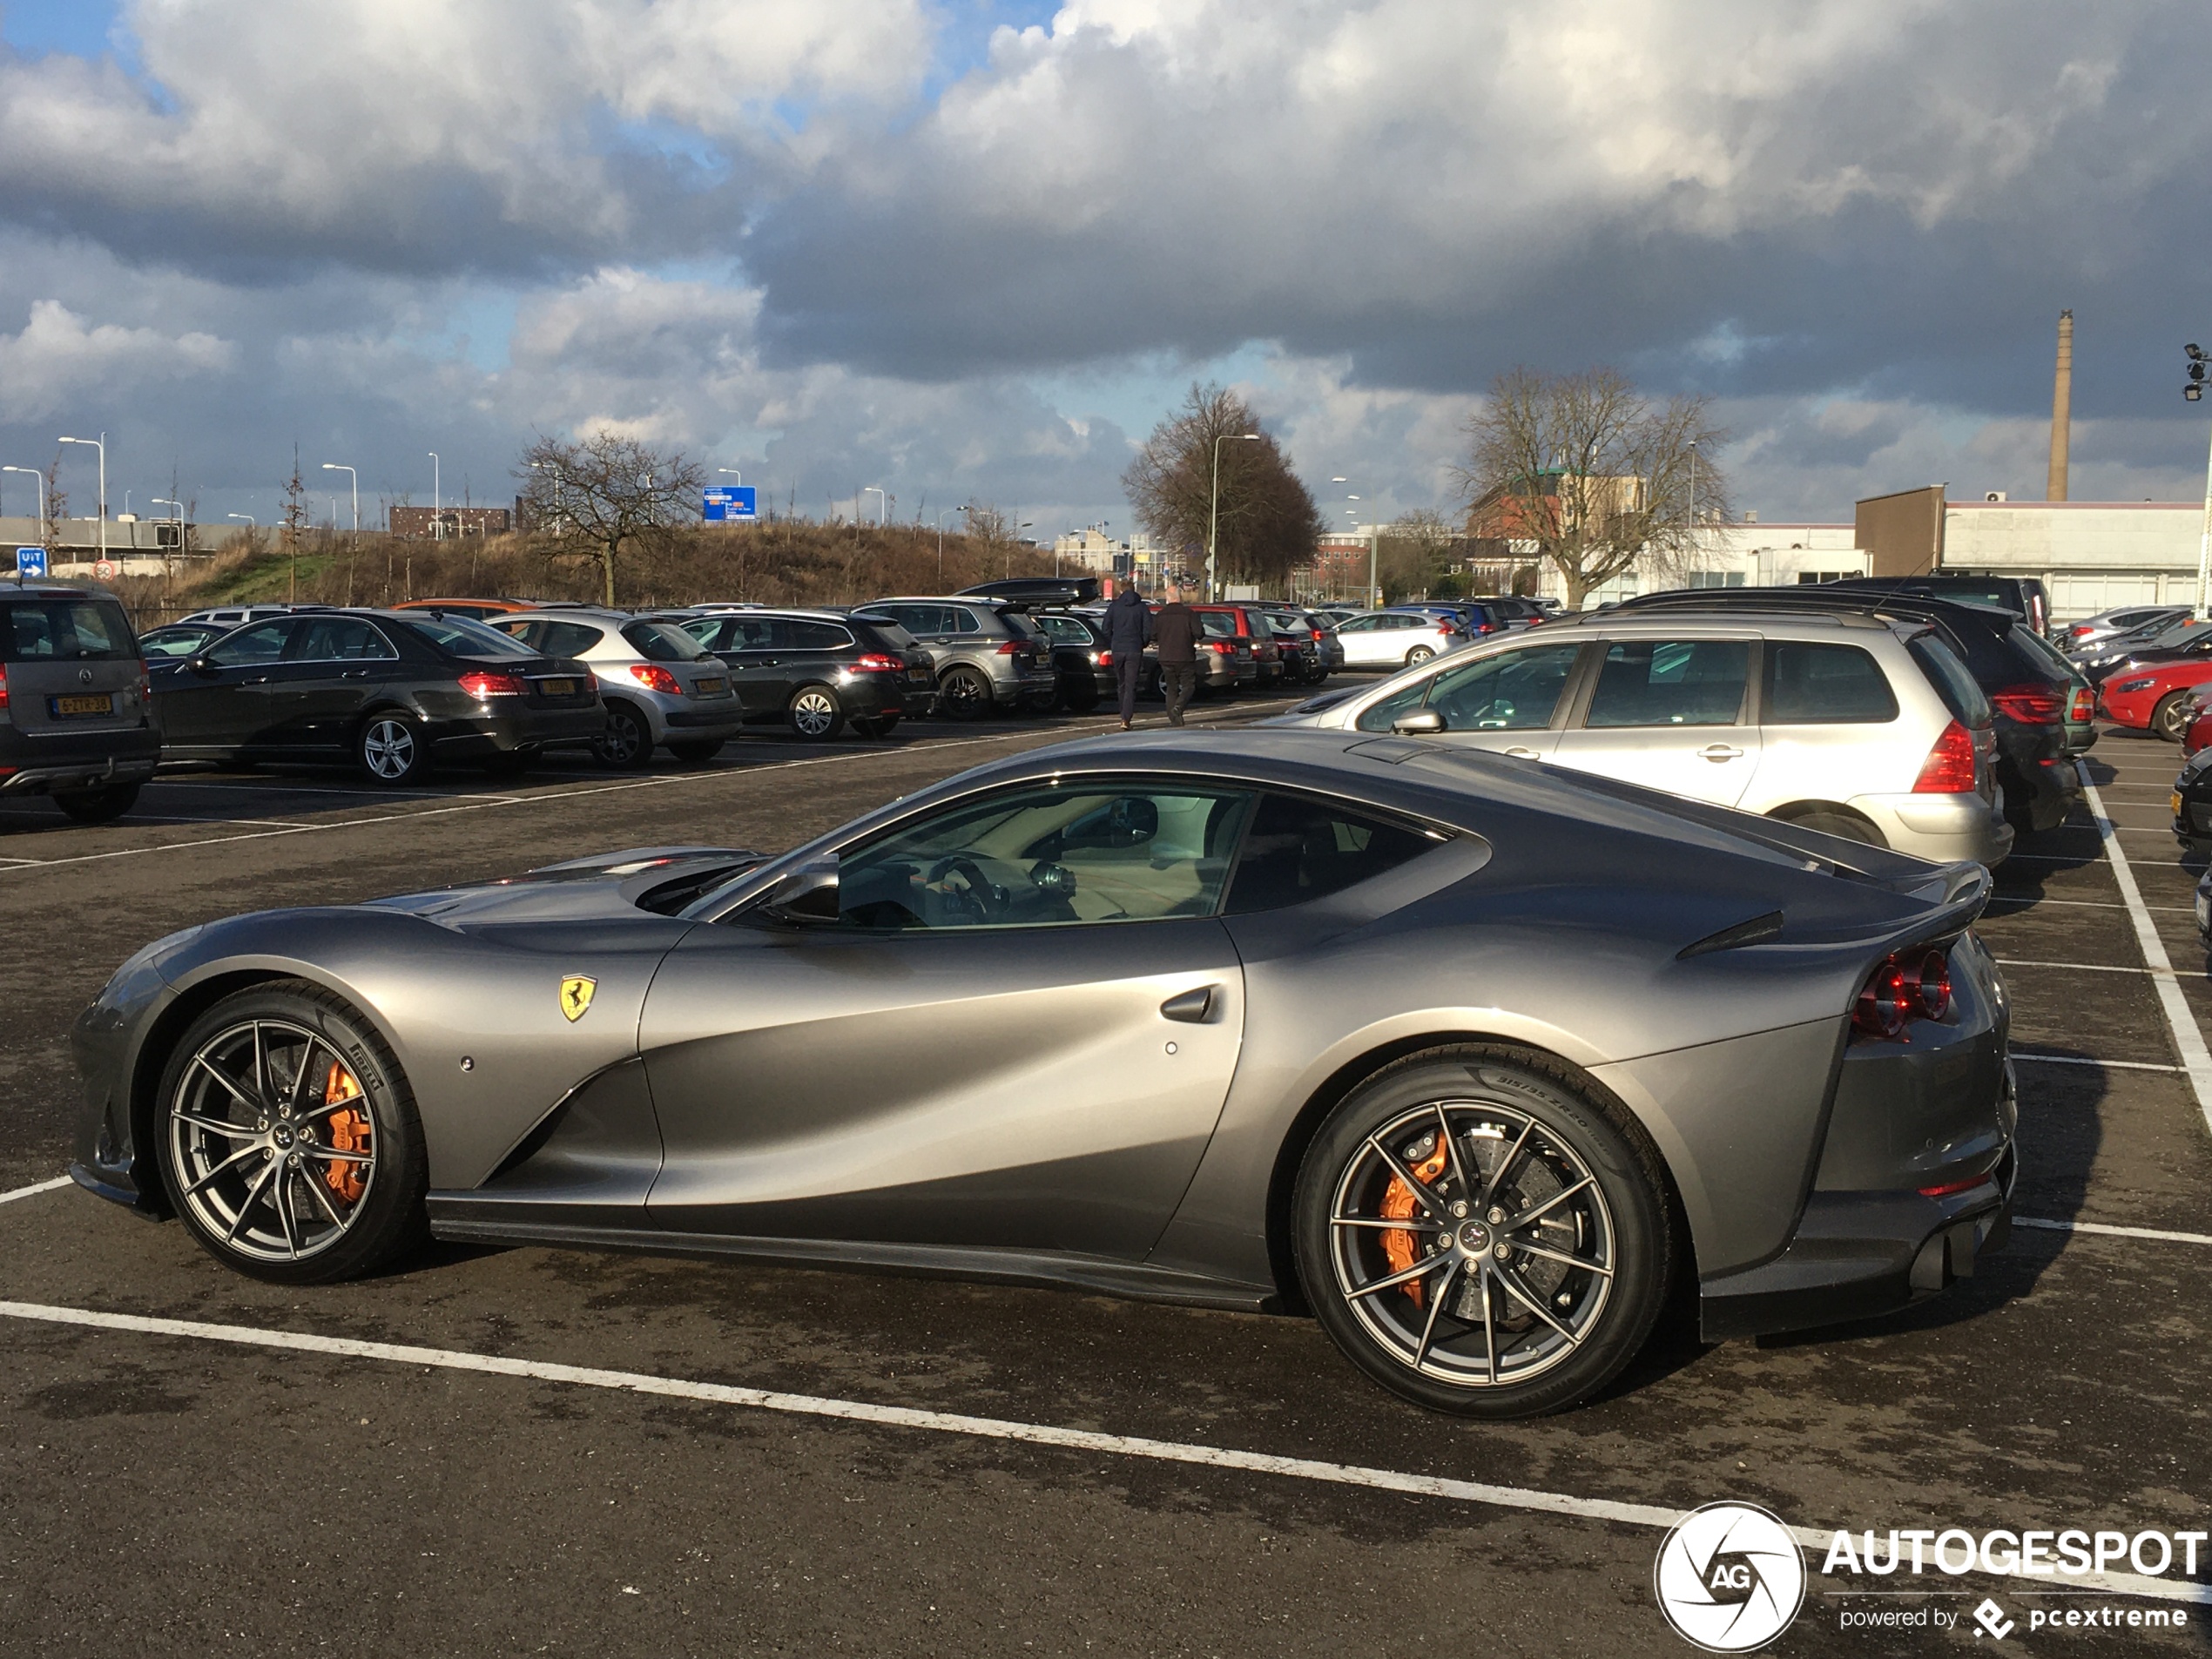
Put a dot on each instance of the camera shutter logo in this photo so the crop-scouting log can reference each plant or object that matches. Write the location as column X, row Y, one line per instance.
column 1729, row 1577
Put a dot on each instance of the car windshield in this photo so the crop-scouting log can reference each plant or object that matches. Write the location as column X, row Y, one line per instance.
column 662, row 642
column 466, row 638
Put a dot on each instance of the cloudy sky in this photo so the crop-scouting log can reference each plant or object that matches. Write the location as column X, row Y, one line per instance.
column 974, row 248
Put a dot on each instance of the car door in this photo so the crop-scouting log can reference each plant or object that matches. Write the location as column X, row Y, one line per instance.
column 219, row 703
column 1018, row 1034
column 747, row 646
column 1509, row 702
column 326, row 681
column 1823, row 710
column 1670, row 713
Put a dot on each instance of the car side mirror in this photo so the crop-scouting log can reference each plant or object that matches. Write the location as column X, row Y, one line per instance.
column 1419, row 722
column 807, row 895
column 203, row 665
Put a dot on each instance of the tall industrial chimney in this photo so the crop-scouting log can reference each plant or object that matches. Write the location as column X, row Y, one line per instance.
column 2062, row 408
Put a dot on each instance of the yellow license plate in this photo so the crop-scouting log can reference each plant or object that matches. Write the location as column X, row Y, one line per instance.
column 713, row 687
column 557, row 688
column 83, row 705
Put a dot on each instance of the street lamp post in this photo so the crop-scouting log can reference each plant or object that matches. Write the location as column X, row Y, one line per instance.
column 354, row 478
column 1213, row 512
column 2193, row 390
column 883, row 508
column 177, row 517
column 100, row 443
column 40, row 478
column 942, row 517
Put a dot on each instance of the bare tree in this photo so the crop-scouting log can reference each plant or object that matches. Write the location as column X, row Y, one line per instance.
column 607, row 494
column 295, row 524
column 57, row 510
column 1584, row 470
column 1267, row 523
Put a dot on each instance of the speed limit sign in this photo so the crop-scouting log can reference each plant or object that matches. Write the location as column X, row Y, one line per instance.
column 103, row 569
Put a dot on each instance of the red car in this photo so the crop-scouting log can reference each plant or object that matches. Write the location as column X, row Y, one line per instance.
column 2156, row 699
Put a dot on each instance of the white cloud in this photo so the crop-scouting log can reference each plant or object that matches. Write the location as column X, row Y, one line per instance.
column 59, row 356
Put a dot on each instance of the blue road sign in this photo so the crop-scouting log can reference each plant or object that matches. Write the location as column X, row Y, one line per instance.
column 725, row 503
column 30, row 561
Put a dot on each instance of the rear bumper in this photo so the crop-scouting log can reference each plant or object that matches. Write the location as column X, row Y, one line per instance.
column 1944, row 828
column 90, row 761
column 523, row 731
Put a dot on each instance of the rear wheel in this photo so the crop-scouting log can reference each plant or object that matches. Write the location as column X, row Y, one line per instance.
column 881, row 726
column 814, row 713
column 696, row 751
column 1847, row 825
column 389, row 749
column 963, row 694
column 2170, row 720
column 1420, row 654
column 1480, row 1235
column 289, row 1138
column 99, row 805
column 625, row 742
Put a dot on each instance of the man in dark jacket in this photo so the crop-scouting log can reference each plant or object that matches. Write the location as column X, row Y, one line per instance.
column 1128, row 625
column 1176, row 631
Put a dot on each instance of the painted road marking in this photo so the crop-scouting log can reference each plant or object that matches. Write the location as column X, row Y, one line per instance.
column 2071, row 967
column 54, row 1185
column 2083, row 1060
column 2105, row 1231
column 909, row 1417
column 2189, row 1041
column 2091, row 904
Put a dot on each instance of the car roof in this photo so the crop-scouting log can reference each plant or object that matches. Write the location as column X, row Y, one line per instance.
column 1659, row 624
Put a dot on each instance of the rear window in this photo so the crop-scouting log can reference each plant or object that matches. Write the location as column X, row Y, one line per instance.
column 465, row 638
column 1017, row 623
column 1949, row 676
column 661, row 642
column 1218, row 624
column 2040, row 657
column 1816, row 685
column 887, row 633
column 802, row 635
column 77, row 631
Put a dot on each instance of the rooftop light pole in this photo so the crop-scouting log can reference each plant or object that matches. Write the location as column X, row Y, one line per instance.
column 2194, row 389
column 1213, row 512
column 942, row 517
column 99, row 443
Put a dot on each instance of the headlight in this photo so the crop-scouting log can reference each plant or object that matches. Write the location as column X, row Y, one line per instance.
column 2134, row 685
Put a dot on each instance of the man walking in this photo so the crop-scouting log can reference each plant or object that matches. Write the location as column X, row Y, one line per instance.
column 1176, row 631
column 1128, row 625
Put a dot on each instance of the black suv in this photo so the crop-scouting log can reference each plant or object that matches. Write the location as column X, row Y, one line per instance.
column 2021, row 595
column 2042, row 706
column 814, row 671
column 75, row 722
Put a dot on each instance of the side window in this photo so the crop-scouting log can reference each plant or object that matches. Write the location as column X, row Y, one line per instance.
column 748, row 633
column 959, row 619
column 347, row 639
column 564, row 638
column 1301, row 850
column 921, row 619
column 1813, row 685
column 261, row 645
column 1358, row 625
column 1050, row 855
column 1673, row 682
column 1514, row 691
column 816, row 635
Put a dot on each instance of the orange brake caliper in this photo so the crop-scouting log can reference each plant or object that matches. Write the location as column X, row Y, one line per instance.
column 349, row 1133
column 1398, row 1204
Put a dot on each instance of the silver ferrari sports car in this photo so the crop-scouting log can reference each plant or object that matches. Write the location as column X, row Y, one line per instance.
column 1476, row 1061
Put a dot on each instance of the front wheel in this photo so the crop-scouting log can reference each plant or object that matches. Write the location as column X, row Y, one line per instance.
column 389, row 749
column 2171, row 718
column 289, row 1139
column 881, row 726
column 1418, row 655
column 1480, row 1235
column 99, row 805
column 815, row 713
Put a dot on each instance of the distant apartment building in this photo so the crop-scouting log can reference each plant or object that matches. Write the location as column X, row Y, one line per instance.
column 425, row 524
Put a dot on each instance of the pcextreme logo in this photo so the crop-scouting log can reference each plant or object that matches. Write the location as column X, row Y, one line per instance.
column 1729, row 1577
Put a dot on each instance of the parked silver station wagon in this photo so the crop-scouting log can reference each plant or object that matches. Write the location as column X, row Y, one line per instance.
column 1858, row 726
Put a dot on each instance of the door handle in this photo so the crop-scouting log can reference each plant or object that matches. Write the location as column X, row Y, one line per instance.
column 1520, row 753
column 1191, row 1008
column 355, row 674
column 255, row 679
column 1719, row 751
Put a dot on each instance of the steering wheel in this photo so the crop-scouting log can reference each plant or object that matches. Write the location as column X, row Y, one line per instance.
column 984, row 897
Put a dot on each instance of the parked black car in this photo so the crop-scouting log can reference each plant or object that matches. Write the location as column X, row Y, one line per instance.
column 1079, row 656
column 2038, row 698
column 813, row 670
column 2021, row 595
column 1307, row 643
column 393, row 691
column 75, row 723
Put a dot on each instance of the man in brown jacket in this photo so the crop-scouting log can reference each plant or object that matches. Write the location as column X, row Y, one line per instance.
column 1174, row 632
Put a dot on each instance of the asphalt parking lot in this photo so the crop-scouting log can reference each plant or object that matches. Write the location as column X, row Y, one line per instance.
column 767, row 1460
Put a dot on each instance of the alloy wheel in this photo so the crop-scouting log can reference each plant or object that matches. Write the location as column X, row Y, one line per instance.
column 388, row 749
column 1472, row 1245
column 965, row 695
column 813, row 712
column 274, row 1141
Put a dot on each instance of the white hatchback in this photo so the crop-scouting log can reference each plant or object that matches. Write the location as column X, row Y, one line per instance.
column 1394, row 638
column 1855, row 725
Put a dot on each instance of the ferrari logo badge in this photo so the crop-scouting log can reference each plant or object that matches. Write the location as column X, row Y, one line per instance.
column 576, row 996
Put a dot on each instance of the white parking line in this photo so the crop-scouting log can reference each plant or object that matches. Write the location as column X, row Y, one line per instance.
column 2084, row 1060
column 995, row 1428
column 2071, row 967
column 32, row 1191
column 2091, row 904
column 2104, row 1230
column 2188, row 1041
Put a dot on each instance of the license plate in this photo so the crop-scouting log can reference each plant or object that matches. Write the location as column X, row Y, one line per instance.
column 713, row 687
column 557, row 688
column 919, row 675
column 83, row 705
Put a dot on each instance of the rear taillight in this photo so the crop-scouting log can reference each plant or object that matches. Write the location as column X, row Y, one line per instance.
column 1913, row 985
column 1487, row 628
column 1947, row 1188
column 1315, row 632
column 2033, row 704
column 1949, row 769
column 479, row 684
column 1013, row 648
column 654, row 678
column 1104, row 658
column 1222, row 647
column 3, row 684
column 875, row 663
column 2083, row 706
